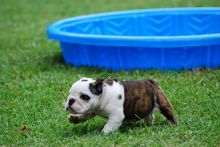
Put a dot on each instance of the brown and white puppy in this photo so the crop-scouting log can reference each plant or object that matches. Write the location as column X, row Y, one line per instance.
column 117, row 101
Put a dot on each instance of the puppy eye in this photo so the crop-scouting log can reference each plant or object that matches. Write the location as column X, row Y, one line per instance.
column 85, row 97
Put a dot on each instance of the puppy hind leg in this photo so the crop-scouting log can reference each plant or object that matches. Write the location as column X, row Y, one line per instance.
column 161, row 100
column 165, row 107
column 168, row 113
column 149, row 119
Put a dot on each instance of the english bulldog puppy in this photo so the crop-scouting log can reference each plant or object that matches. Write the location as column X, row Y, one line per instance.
column 117, row 101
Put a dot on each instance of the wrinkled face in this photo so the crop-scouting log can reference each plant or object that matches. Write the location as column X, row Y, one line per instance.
column 83, row 97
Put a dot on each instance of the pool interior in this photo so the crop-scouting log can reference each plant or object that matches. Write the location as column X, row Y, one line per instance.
column 147, row 25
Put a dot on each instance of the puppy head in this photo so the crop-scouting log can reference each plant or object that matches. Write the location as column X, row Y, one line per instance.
column 84, row 96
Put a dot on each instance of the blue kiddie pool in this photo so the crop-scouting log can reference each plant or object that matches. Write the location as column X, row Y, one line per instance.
column 176, row 38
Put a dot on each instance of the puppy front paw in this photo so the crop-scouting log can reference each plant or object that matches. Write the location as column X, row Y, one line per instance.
column 106, row 131
column 74, row 118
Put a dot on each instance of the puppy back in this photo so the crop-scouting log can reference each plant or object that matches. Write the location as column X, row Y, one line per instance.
column 139, row 98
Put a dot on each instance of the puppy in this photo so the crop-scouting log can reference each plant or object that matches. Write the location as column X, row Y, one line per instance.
column 117, row 101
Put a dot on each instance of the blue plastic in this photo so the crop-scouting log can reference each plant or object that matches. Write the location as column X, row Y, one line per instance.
column 171, row 38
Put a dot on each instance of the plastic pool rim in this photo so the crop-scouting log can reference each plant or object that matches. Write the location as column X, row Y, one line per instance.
column 55, row 33
column 80, row 44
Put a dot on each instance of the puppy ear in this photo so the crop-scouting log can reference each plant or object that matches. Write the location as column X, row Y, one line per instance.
column 96, row 87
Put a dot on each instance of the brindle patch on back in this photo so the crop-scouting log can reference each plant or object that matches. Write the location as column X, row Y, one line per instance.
column 139, row 99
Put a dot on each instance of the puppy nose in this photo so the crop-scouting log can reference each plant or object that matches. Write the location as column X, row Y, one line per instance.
column 71, row 101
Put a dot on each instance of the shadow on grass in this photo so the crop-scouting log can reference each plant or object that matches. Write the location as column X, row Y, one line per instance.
column 57, row 59
column 53, row 61
column 126, row 126
column 83, row 129
column 91, row 128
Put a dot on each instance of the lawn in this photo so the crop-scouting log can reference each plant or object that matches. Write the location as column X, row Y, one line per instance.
column 34, row 83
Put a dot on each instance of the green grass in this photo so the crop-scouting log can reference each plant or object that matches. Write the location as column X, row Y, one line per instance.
column 34, row 82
